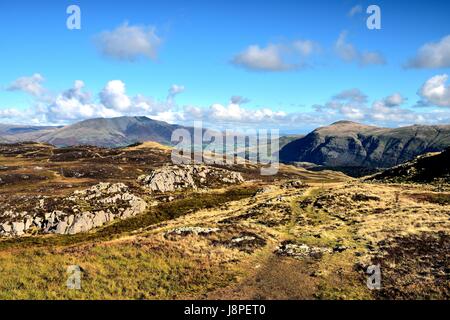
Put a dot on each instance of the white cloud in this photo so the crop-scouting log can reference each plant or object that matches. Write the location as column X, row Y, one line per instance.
column 305, row 47
column 394, row 100
column 72, row 105
column 262, row 59
column 31, row 85
column 276, row 57
column 352, row 95
column 176, row 89
column 113, row 96
column 435, row 91
column 77, row 104
column 169, row 116
column 346, row 51
column 355, row 10
column 235, row 113
column 11, row 113
column 353, row 105
column 173, row 92
column 371, row 58
column 432, row 55
column 349, row 53
column 129, row 43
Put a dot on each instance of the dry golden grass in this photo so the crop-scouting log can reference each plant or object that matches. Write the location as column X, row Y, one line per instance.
column 149, row 145
column 135, row 259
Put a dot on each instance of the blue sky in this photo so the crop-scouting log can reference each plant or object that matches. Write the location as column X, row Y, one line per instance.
column 294, row 64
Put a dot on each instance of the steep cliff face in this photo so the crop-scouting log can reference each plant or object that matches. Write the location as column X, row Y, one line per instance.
column 349, row 144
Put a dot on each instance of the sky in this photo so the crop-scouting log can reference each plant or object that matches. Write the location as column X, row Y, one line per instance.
column 293, row 65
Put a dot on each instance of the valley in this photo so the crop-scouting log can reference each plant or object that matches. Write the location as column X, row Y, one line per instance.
column 297, row 235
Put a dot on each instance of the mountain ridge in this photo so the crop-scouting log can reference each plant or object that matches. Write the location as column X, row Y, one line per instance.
column 352, row 144
column 103, row 132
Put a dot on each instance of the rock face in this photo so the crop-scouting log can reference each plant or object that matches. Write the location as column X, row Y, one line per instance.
column 175, row 178
column 349, row 144
column 82, row 211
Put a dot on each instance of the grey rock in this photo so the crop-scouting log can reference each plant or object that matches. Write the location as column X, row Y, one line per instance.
column 61, row 222
column 175, row 178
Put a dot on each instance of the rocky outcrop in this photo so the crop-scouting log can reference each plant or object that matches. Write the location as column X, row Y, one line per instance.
column 82, row 211
column 349, row 144
column 175, row 178
column 429, row 168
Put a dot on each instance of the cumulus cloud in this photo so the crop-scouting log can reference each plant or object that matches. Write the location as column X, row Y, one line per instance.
column 129, row 43
column 72, row 105
column 432, row 55
column 113, row 96
column 388, row 110
column 349, row 53
column 346, row 51
column 355, row 10
column 276, row 57
column 435, row 91
column 394, row 100
column 76, row 92
column 262, row 59
column 305, row 47
column 176, row 89
column 348, row 103
column 235, row 113
column 353, row 105
column 31, row 85
column 352, row 95
column 75, row 104
column 11, row 113
column 173, row 92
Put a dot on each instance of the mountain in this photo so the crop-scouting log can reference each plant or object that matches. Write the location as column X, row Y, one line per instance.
column 427, row 168
column 21, row 132
column 11, row 130
column 285, row 140
column 350, row 144
column 16, row 133
column 114, row 132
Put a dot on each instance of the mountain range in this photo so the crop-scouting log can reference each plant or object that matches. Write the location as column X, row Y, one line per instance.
column 101, row 132
column 342, row 144
column 350, row 144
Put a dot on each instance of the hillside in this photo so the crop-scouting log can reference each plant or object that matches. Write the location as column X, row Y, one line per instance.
column 16, row 133
column 428, row 168
column 141, row 228
column 350, row 144
column 114, row 132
